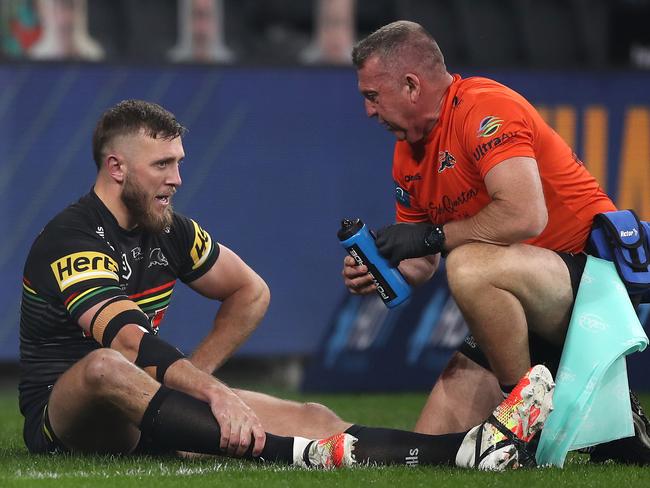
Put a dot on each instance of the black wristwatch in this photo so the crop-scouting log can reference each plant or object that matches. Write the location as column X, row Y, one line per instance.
column 435, row 240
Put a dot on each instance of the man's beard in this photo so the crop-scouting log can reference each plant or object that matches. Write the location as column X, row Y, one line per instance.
column 139, row 204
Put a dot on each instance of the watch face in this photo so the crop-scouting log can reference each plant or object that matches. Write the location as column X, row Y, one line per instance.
column 435, row 239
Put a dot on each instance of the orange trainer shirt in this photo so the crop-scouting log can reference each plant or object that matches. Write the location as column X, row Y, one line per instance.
column 483, row 123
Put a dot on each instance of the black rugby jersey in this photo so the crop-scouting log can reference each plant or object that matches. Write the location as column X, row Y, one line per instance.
column 82, row 257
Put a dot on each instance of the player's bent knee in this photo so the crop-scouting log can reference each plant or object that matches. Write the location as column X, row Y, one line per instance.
column 101, row 366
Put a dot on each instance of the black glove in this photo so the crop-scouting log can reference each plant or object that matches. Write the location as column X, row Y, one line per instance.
column 402, row 241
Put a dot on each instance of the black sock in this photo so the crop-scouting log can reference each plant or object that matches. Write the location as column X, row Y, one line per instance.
column 176, row 421
column 390, row 446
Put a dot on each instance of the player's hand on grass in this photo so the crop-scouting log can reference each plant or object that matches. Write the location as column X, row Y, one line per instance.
column 239, row 425
column 356, row 278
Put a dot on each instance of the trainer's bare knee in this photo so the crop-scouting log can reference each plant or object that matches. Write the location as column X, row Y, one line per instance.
column 464, row 266
column 474, row 265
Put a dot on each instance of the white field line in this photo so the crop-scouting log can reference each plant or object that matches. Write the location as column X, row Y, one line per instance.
column 161, row 470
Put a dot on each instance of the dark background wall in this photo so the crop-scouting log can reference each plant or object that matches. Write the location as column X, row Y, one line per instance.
column 502, row 33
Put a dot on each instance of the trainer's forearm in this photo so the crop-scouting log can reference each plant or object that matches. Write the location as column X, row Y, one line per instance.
column 236, row 319
column 419, row 270
column 500, row 222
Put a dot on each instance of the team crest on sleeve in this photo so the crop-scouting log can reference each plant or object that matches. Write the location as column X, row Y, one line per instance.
column 82, row 266
column 489, row 126
column 201, row 246
column 402, row 196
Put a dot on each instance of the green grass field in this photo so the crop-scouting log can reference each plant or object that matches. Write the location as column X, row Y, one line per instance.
column 17, row 468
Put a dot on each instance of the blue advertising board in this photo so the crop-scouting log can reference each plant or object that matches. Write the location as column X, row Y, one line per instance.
column 369, row 347
column 275, row 159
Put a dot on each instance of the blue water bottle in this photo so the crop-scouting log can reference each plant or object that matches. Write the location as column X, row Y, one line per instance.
column 360, row 244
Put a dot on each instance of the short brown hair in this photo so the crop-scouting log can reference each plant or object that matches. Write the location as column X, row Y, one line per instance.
column 129, row 117
column 394, row 42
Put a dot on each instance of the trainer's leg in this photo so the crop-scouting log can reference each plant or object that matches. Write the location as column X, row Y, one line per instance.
column 97, row 404
column 503, row 291
column 464, row 395
column 290, row 418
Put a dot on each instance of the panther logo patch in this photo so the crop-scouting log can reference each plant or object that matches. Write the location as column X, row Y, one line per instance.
column 446, row 160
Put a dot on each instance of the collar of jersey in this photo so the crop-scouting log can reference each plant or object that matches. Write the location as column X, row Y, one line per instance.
column 109, row 215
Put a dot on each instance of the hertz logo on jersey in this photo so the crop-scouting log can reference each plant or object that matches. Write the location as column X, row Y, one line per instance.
column 201, row 247
column 81, row 266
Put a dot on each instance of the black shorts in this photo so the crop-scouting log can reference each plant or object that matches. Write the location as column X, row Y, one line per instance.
column 541, row 351
column 37, row 431
column 39, row 436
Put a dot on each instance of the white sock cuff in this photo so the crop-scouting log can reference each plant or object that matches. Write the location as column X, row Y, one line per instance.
column 299, row 445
